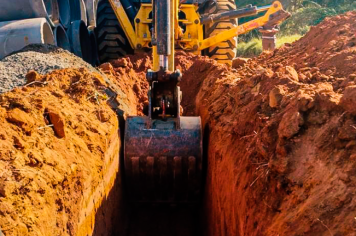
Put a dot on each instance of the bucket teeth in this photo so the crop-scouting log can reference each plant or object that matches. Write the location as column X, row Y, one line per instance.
column 162, row 179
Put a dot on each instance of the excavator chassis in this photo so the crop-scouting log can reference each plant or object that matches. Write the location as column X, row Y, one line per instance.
column 163, row 164
column 189, row 22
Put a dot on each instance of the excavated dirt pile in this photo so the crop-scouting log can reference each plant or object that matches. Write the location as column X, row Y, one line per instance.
column 282, row 130
column 59, row 155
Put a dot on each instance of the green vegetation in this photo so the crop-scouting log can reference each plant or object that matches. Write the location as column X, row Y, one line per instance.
column 305, row 13
column 253, row 47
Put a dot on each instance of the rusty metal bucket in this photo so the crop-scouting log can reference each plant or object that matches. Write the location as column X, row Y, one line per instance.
column 163, row 163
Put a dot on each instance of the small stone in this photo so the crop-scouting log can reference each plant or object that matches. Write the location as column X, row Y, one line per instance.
column 20, row 119
column 34, row 160
column 19, row 144
column 103, row 116
column 308, row 75
column 58, row 123
column 302, row 77
column 348, row 100
column 136, row 88
column 122, row 62
column 292, row 73
column 304, row 100
column 107, row 68
column 32, row 76
column 276, row 96
column 290, row 124
column 324, row 87
column 304, row 69
column 7, row 188
column 323, row 77
column 239, row 62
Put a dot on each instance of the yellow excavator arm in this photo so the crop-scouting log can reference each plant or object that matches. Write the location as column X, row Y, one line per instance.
column 163, row 151
column 274, row 16
column 191, row 38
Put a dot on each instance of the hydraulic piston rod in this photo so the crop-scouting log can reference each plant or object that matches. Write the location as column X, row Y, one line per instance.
column 249, row 11
column 163, row 150
column 163, row 27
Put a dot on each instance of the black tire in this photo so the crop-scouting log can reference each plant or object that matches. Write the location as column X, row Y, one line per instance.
column 112, row 41
column 225, row 51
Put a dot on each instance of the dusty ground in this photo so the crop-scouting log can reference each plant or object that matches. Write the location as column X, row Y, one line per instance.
column 280, row 130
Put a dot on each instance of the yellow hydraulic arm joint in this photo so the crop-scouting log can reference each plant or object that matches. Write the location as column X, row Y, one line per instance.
column 274, row 16
column 124, row 21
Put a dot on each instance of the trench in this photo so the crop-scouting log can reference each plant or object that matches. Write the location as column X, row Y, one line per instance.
column 231, row 203
column 118, row 216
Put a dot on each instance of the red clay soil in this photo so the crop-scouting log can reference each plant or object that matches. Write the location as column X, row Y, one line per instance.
column 55, row 133
column 130, row 78
column 282, row 130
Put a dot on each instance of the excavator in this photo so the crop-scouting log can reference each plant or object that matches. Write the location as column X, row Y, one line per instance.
column 163, row 151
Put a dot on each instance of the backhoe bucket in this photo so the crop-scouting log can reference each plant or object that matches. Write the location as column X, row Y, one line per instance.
column 163, row 163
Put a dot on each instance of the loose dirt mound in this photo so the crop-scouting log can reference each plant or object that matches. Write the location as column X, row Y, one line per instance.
column 282, row 133
column 59, row 147
column 329, row 47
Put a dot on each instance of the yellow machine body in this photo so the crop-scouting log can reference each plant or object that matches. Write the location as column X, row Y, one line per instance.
column 192, row 38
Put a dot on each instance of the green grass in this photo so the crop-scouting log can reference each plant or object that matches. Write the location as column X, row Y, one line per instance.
column 249, row 49
column 287, row 39
column 303, row 18
column 254, row 46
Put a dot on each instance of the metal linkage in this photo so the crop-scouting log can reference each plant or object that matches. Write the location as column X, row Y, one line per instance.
column 208, row 19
